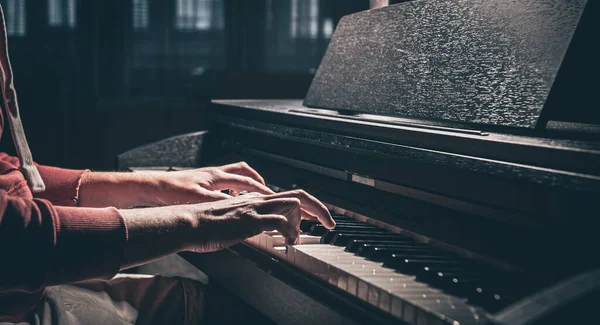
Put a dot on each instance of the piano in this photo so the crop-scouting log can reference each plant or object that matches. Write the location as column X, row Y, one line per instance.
column 457, row 145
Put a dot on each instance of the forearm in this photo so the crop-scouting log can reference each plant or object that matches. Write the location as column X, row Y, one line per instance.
column 156, row 232
column 118, row 189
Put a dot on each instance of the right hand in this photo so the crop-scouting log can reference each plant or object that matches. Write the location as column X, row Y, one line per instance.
column 220, row 224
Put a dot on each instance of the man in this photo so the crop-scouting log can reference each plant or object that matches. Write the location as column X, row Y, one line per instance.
column 59, row 227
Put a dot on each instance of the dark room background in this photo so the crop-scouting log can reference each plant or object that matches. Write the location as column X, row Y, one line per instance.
column 99, row 77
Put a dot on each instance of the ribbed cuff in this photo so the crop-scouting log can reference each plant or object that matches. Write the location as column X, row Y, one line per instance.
column 89, row 244
column 62, row 185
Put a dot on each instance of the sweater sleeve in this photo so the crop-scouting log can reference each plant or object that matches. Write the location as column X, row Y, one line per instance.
column 41, row 244
column 62, row 185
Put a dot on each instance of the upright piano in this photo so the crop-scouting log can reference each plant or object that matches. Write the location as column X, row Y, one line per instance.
column 456, row 143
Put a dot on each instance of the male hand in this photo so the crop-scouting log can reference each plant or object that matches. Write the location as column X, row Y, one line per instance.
column 224, row 223
column 153, row 189
column 156, row 188
column 208, row 227
column 205, row 184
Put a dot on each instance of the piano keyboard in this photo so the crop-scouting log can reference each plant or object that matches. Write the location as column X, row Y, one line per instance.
column 412, row 281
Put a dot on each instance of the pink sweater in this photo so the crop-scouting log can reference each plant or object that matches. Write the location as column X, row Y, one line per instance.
column 47, row 240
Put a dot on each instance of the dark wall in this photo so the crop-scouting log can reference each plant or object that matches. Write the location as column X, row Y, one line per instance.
column 91, row 90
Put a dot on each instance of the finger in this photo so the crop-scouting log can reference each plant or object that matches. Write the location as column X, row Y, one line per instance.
column 310, row 204
column 282, row 225
column 243, row 169
column 211, row 196
column 240, row 183
column 309, row 216
column 288, row 207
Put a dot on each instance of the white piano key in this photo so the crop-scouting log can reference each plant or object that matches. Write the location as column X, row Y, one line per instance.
column 304, row 239
column 281, row 249
column 398, row 294
column 342, row 280
column 373, row 294
column 409, row 313
column 333, row 276
column 385, row 301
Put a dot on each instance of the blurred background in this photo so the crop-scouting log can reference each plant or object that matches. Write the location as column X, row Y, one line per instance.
column 99, row 77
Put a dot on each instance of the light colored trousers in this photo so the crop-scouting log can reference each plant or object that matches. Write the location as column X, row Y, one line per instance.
column 176, row 296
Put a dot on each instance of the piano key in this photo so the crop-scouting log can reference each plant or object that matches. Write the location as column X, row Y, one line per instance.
column 412, row 264
column 305, row 225
column 342, row 239
column 279, row 240
column 381, row 285
column 354, row 244
column 364, row 248
column 329, row 234
column 319, row 229
column 382, row 252
column 368, row 280
column 337, row 216
column 386, row 254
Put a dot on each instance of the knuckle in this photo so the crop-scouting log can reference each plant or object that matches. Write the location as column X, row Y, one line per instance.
column 299, row 193
column 247, row 212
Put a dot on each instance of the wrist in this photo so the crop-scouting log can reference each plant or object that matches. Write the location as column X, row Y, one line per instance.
column 156, row 232
column 118, row 189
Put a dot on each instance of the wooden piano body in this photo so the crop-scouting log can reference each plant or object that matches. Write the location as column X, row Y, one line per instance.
column 410, row 145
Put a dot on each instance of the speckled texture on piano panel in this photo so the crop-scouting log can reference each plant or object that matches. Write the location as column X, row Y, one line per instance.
column 478, row 61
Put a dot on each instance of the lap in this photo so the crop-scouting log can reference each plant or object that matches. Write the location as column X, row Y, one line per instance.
column 125, row 299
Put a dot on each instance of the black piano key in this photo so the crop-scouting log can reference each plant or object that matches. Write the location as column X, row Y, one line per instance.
column 305, row 225
column 441, row 277
column 342, row 239
column 382, row 254
column 490, row 299
column 330, row 233
column 411, row 265
column 493, row 293
column 403, row 261
column 337, row 216
column 319, row 230
column 365, row 249
column 353, row 223
column 354, row 244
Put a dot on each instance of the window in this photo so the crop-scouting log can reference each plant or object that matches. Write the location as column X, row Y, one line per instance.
column 15, row 16
column 173, row 42
column 62, row 13
column 304, row 22
column 199, row 14
column 297, row 34
column 327, row 28
column 140, row 15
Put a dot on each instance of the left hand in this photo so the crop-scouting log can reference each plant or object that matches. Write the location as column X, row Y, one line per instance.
column 151, row 189
column 205, row 184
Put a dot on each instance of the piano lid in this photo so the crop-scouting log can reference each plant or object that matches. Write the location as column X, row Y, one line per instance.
column 475, row 61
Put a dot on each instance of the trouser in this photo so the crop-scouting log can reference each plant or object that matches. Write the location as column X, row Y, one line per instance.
column 126, row 299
